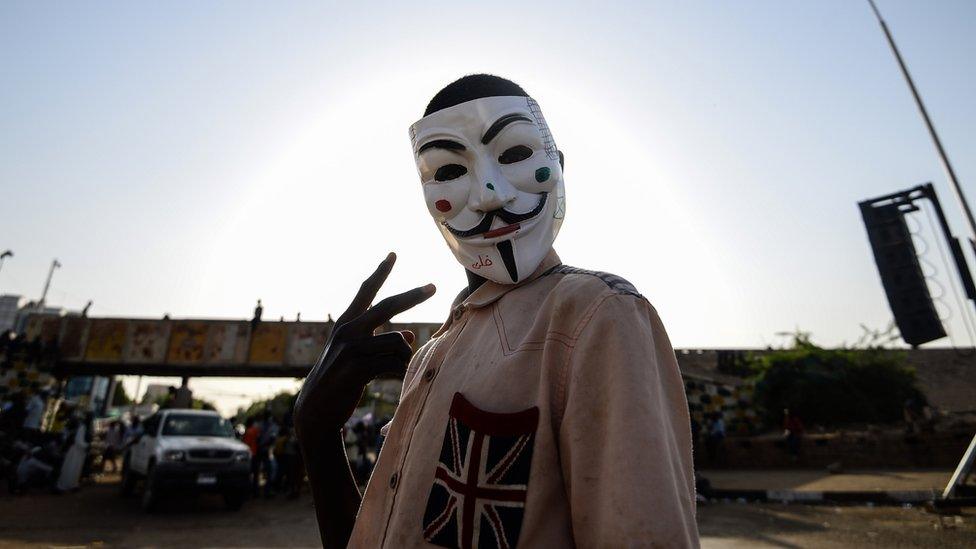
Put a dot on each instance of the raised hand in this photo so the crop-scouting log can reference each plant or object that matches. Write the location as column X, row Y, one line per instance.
column 353, row 356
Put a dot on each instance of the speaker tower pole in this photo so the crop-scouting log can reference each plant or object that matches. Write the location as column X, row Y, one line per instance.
column 958, row 481
column 946, row 165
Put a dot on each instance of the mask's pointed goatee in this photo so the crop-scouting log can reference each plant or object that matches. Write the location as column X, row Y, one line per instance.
column 508, row 256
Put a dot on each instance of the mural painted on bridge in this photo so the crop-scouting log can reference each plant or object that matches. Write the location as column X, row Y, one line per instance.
column 268, row 344
column 106, row 340
column 147, row 341
column 227, row 342
column 183, row 341
column 186, row 343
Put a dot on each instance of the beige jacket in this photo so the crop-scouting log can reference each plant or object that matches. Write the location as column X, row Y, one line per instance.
column 545, row 414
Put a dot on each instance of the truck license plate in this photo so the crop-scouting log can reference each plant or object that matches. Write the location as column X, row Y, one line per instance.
column 206, row 479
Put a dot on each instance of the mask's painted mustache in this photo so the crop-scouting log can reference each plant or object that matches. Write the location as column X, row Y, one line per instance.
column 508, row 217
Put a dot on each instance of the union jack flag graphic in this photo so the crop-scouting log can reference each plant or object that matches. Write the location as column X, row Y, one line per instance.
column 482, row 477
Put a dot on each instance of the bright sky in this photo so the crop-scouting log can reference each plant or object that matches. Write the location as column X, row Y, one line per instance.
column 190, row 158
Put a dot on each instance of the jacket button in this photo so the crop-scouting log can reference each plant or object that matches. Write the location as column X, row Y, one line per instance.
column 429, row 374
column 393, row 480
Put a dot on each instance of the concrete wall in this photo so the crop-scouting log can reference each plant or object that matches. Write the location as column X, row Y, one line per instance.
column 946, row 376
column 940, row 450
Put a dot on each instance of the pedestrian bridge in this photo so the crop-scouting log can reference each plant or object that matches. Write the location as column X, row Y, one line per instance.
column 75, row 345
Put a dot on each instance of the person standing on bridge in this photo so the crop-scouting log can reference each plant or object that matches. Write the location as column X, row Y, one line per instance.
column 547, row 411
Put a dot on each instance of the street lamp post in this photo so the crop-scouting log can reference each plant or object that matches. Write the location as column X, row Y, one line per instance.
column 54, row 265
column 5, row 255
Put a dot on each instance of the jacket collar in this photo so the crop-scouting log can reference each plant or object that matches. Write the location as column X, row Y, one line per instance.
column 490, row 292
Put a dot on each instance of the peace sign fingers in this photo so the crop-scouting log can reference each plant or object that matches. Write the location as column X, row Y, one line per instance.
column 368, row 289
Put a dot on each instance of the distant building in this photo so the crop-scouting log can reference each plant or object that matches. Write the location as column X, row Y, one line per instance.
column 154, row 391
column 15, row 309
column 10, row 305
column 92, row 392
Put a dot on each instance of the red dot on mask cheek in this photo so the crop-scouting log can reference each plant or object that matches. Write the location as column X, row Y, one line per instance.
column 443, row 206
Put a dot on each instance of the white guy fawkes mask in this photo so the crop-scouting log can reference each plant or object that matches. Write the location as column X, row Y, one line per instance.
column 493, row 183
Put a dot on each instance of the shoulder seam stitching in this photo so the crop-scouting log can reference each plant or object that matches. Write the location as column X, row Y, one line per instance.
column 616, row 283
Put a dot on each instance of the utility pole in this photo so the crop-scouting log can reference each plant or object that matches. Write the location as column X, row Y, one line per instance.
column 47, row 285
column 946, row 165
column 5, row 255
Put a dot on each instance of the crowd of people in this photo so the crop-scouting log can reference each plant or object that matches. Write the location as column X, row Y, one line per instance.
column 712, row 434
column 277, row 466
column 67, row 453
column 58, row 458
column 46, row 442
column 49, row 444
column 276, row 459
column 74, row 447
column 363, row 442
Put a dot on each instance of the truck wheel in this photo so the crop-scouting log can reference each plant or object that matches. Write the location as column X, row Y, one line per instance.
column 233, row 501
column 128, row 484
column 150, row 494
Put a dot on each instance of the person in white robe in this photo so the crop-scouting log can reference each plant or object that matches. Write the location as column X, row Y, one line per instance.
column 74, row 460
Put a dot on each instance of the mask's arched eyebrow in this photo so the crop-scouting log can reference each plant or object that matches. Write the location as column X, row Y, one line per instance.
column 441, row 144
column 501, row 123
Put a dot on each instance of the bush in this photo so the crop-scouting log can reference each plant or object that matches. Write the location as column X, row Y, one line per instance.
column 279, row 405
column 833, row 387
column 120, row 397
column 166, row 401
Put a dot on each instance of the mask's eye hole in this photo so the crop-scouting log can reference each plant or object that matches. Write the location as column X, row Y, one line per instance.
column 515, row 154
column 448, row 172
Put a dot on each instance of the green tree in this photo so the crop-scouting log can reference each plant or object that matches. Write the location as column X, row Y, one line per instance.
column 120, row 397
column 279, row 405
column 833, row 387
column 165, row 401
column 201, row 404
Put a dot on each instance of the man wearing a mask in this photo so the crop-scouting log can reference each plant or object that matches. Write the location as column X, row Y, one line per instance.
column 547, row 411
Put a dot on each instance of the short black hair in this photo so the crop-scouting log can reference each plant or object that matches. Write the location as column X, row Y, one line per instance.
column 470, row 87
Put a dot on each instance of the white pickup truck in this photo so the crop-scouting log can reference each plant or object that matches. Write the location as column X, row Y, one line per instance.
column 187, row 451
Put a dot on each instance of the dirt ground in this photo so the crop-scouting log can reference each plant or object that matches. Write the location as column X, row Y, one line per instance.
column 819, row 480
column 97, row 516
